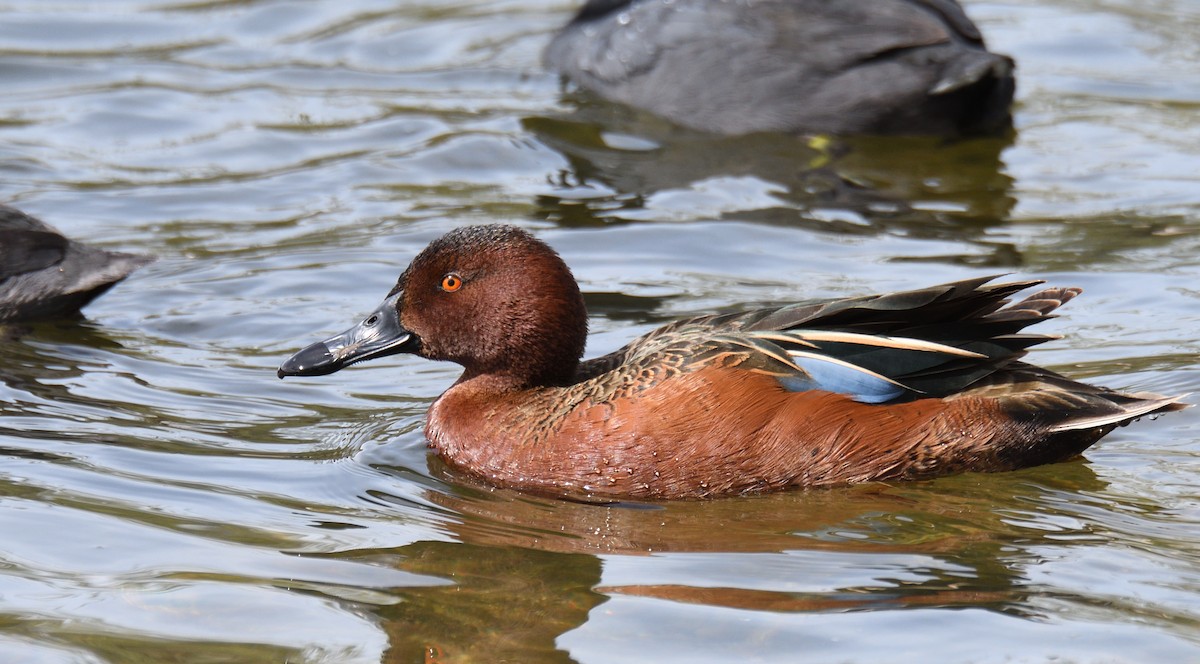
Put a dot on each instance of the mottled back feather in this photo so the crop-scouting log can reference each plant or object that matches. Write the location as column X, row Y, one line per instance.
column 965, row 331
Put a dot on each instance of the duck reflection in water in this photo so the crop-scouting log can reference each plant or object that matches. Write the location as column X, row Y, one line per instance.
column 900, row 386
column 527, row 572
column 622, row 169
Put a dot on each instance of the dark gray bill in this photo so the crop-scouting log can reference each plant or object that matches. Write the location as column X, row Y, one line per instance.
column 379, row 335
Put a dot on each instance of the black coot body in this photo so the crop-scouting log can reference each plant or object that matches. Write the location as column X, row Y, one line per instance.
column 45, row 275
column 914, row 67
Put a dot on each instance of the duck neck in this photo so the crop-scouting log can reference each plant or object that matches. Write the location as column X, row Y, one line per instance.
column 524, row 374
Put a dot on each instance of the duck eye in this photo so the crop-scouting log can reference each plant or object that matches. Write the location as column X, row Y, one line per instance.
column 451, row 282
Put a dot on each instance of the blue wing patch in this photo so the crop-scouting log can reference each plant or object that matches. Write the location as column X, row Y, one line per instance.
column 821, row 373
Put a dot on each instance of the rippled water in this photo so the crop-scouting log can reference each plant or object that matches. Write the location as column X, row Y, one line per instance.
column 163, row 497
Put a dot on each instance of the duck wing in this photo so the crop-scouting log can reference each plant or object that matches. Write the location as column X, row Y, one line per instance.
column 23, row 251
column 931, row 342
column 27, row 244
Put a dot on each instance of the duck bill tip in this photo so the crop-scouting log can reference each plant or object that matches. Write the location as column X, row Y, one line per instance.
column 314, row 360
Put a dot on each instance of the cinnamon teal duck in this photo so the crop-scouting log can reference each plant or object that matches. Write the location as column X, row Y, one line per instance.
column 809, row 66
column 901, row 386
column 45, row 275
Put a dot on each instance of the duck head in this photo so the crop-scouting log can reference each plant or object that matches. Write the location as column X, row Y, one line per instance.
column 493, row 299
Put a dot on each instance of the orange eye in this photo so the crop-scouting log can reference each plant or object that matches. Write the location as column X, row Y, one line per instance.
column 451, row 282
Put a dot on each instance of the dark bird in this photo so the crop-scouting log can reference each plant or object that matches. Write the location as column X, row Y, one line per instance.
column 901, row 386
column 45, row 275
column 810, row 66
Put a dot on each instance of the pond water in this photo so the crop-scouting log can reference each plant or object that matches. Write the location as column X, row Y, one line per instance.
column 163, row 497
